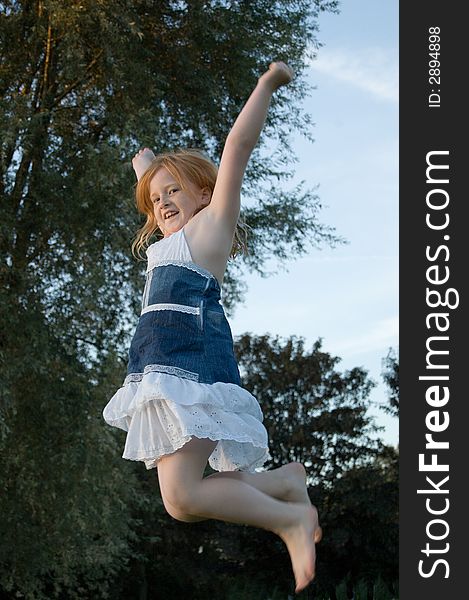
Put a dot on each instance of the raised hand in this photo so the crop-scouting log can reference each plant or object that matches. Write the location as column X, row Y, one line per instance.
column 278, row 74
column 141, row 161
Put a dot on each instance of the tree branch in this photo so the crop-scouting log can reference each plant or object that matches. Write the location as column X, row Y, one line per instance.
column 71, row 86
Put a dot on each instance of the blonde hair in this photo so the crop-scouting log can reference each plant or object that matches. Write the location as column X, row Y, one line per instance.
column 186, row 166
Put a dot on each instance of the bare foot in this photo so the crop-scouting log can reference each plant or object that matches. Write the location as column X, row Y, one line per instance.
column 141, row 161
column 300, row 538
column 295, row 475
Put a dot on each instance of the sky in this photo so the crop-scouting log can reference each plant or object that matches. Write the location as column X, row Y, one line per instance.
column 348, row 296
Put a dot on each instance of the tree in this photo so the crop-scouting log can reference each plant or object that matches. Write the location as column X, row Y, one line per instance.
column 361, row 528
column 66, row 519
column 314, row 414
column 83, row 85
column 390, row 374
column 318, row 415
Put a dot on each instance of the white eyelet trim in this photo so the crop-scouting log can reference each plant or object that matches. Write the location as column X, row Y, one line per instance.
column 136, row 377
column 179, row 307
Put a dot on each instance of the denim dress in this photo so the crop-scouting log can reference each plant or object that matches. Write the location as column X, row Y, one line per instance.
column 182, row 377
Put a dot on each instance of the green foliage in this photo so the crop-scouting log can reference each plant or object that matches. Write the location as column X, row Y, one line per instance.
column 360, row 524
column 315, row 414
column 83, row 85
column 390, row 375
column 365, row 590
column 66, row 497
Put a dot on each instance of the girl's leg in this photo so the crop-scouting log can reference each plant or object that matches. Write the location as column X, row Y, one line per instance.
column 183, row 487
column 287, row 482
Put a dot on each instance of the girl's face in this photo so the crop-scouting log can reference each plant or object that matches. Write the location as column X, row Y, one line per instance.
column 172, row 206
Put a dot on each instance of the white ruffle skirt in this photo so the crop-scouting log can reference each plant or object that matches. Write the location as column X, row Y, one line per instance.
column 161, row 412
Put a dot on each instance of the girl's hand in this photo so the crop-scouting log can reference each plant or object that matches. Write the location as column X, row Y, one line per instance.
column 141, row 161
column 278, row 74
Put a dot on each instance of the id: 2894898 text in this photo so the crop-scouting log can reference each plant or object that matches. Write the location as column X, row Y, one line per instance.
column 434, row 71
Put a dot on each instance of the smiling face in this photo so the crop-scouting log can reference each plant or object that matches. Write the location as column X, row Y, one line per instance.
column 173, row 206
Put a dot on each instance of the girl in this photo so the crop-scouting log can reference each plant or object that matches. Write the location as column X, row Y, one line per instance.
column 181, row 402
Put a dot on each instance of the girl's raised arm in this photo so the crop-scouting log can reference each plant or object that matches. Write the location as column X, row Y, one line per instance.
column 225, row 202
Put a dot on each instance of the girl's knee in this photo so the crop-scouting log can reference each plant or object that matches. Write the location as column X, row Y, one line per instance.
column 175, row 496
column 176, row 499
column 176, row 513
column 180, row 513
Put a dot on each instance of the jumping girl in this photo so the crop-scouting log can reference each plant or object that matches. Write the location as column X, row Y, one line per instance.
column 181, row 402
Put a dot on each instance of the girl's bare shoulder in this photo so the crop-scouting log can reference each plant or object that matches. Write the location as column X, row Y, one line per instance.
column 209, row 241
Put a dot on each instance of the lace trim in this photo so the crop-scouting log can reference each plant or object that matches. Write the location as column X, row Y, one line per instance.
column 136, row 377
column 220, row 436
column 150, row 456
column 179, row 307
column 215, row 461
column 180, row 263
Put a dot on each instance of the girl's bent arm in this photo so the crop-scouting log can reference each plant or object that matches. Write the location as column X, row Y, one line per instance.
column 225, row 202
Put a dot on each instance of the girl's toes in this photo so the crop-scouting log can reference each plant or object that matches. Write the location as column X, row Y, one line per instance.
column 318, row 535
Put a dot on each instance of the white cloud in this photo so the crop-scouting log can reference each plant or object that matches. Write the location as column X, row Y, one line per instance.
column 319, row 258
column 374, row 70
column 380, row 336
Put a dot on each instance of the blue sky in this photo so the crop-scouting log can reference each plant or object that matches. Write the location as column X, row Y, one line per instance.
column 349, row 295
